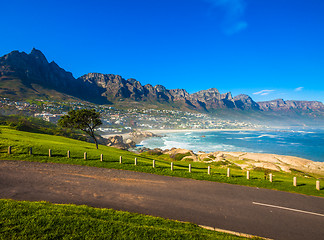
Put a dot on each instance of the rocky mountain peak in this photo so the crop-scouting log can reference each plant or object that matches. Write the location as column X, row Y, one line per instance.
column 245, row 102
column 282, row 105
column 38, row 56
column 160, row 88
column 227, row 96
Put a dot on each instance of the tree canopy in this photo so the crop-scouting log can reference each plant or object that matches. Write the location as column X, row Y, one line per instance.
column 83, row 119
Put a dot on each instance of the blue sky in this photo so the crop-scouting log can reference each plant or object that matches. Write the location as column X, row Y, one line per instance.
column 264, row 48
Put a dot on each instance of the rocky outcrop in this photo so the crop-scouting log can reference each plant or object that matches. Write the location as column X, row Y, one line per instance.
column 282, row 105
column 34, row 67
column 34, row 70
column 212, row 99
column 274, row 162
column 182, row 154
column 143, row 134
column 245, row 102
column 118, row 142
column 115, row 87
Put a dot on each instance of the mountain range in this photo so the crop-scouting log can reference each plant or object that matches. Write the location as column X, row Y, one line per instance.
column 27, row 76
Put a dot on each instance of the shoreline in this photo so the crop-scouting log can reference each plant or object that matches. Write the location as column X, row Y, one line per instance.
column 165, row 131
column 272, row 161
column 159, row 131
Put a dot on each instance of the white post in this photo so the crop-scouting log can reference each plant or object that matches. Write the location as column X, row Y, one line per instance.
column 247, row 175
column 49, row 152
column 172, row 166
column 228, row 172
column 153, row 163
column 101, row 157
column 135, row 163
column 270, row 177
column 120, row 159
column 295, row 181
column 318, row 187
column 85, row 156
column 208, row 170
column 68, row 154
column 190, row 168
column 9, row 150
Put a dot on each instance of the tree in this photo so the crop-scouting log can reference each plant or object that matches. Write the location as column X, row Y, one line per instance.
column 83, row 119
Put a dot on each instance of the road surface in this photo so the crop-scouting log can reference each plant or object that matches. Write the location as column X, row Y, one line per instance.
column 261, row 212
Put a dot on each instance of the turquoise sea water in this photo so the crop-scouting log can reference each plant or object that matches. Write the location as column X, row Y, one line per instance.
column 307, row 144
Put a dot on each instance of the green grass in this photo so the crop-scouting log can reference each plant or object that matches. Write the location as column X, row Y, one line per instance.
column 43, row 220
column 40, row 143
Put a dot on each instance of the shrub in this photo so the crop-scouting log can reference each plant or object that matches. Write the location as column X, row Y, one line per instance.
column 154, row 152
column 179, row 156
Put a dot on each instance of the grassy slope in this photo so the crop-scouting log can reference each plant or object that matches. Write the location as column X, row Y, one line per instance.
column 21, row 141
column 42, row 220
column 15, row 89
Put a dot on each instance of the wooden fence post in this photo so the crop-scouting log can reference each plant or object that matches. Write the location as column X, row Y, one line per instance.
column 228, row 172
column 295, row 181
column 49, row 153
column 101, row 157
column 85, row 156
column 318, row 187
column 68, row 154
column 270, row 177
column 247, row 175
column 135, row 163
column 9, row 150
column 153, row 163
column 172, row 166
column 190, row 168
column 208, row 170
column 120, row 160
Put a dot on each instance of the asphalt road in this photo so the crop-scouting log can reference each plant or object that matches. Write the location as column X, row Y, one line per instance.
column 262, row 212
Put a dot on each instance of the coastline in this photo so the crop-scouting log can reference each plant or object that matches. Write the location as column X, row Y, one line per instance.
column 124, row 135
column 161, row 131
column 271, row 161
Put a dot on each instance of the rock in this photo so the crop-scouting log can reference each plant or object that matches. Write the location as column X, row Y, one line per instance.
column 34, row 69
column 174, row 151
column 245, row 102
column 138, row 135
column 118, row 142
column 115, row 140
column 130, row 143
column 281, row 105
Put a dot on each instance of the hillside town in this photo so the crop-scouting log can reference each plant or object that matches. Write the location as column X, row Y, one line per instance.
column 122, row 120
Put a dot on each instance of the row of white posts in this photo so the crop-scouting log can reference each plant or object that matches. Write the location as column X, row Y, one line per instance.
column 208, row 171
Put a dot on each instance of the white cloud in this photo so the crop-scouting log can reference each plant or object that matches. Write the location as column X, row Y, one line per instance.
column 263, row 92
column 299, row 89
column 234, row 11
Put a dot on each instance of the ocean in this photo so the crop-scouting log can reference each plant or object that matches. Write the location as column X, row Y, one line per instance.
column 307, row 144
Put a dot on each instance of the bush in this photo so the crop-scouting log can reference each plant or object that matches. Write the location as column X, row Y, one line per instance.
column 154, row 152
column 179, row 156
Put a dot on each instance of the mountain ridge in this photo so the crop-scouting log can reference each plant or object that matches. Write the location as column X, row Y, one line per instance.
column 36, row 76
